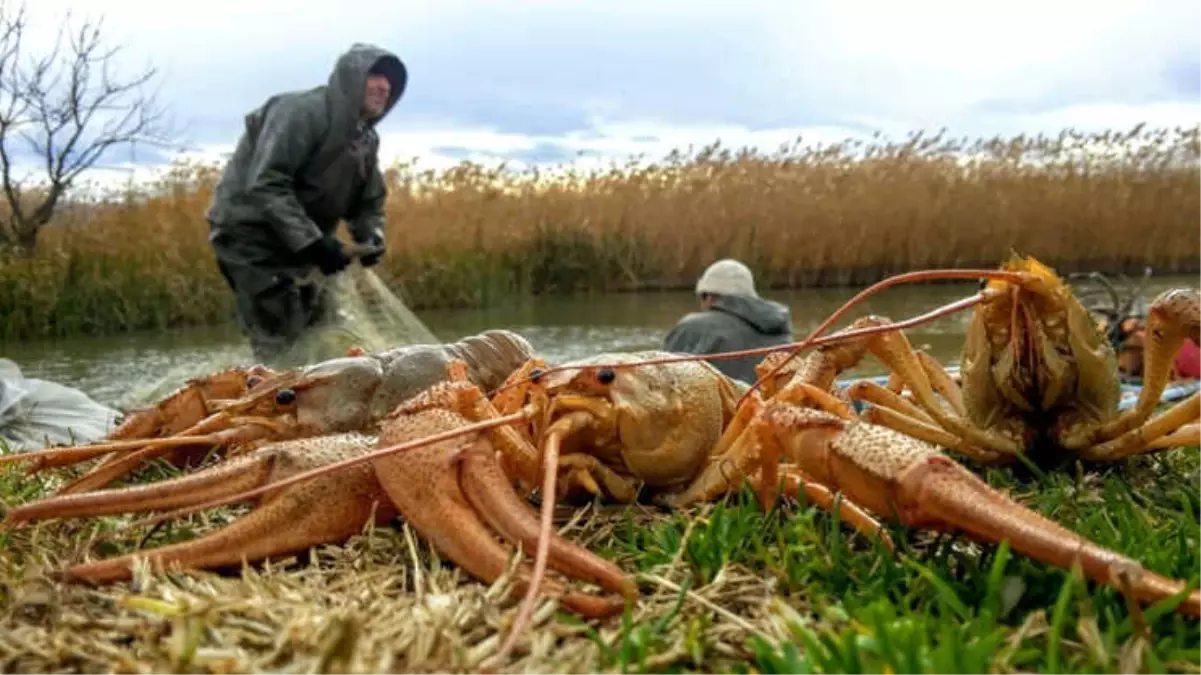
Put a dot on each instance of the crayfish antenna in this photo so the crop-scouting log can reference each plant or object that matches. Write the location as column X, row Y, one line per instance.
column 550, row 473
column 908, row 277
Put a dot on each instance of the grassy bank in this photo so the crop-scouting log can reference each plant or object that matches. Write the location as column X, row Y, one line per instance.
column 725, row 588
column 470, row 236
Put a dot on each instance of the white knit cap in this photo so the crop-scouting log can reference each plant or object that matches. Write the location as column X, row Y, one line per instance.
column 727, row 277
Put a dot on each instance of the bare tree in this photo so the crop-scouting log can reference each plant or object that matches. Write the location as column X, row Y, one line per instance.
column 63, row 110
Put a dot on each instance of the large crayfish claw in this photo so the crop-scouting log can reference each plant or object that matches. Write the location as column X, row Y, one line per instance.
column 455, row 493
column 327, row 509
column 891, row 473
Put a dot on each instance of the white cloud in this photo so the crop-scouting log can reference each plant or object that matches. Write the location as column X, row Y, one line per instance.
column 932, row 60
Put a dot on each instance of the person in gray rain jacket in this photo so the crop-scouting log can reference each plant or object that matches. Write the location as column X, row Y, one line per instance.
column 306, row 161
column 732, row 317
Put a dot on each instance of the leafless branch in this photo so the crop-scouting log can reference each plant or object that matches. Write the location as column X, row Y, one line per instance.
column 68, row 108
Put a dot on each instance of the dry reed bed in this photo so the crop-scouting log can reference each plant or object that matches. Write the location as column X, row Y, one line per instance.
column 849, row 213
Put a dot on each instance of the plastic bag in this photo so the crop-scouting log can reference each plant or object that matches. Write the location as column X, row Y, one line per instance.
column 35, row 414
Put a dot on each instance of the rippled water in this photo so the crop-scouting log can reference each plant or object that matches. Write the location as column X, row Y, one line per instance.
column 114, row 369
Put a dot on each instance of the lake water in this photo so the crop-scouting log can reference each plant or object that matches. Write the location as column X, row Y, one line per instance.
column 113, row 369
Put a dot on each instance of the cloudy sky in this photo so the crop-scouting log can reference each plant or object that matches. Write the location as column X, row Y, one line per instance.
column 544, row 80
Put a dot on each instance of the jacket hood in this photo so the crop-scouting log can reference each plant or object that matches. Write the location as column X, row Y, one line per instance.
column 767, row 316
column 349, row 78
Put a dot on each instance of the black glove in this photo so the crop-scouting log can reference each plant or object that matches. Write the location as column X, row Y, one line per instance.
column 377, row 240
column 327, row 254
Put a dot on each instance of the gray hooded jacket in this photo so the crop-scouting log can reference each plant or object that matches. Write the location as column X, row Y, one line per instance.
column 732, row 323
column 305, row 161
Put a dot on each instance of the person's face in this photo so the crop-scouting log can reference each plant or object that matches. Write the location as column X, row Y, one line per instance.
column 706, row 301
column 375, row 98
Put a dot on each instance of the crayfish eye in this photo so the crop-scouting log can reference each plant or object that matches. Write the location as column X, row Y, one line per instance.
column 606, row 376
column 535, row 375
column 285, row 397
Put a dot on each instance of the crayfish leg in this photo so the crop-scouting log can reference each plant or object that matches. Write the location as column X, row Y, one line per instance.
column 512, row 394
column 182, row 449
column 796, row 482
column 189, row 404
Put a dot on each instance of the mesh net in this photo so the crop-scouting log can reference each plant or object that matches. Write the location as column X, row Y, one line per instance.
column 369, row 315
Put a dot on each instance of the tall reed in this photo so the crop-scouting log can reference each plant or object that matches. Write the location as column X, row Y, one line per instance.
column 850, row 213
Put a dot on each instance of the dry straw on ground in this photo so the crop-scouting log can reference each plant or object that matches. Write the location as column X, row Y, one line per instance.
column 849, row 213
column 379, row 603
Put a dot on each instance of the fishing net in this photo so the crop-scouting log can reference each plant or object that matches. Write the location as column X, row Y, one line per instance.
column 369, row 315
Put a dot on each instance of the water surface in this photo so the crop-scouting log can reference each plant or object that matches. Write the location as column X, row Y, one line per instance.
column 114, row 369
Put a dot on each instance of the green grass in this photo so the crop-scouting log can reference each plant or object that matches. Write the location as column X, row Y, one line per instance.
column 941, row 605
column 726, row 588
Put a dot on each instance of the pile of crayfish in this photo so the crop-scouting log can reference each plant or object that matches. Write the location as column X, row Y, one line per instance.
column 457, row 446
